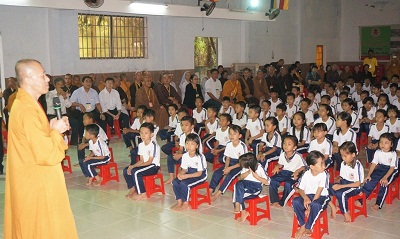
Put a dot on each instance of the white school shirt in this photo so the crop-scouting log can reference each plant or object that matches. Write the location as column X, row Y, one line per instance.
column 109, row 100
column 235, row 152
column 359, row 104
column 375, row 133
column 313, row 107
column 297, row 100
column 182, row 139
column 310, row 183
column 325, row 147
column 386, row 158
column 178, row 129
column 392, row 98
column 197, row 162
column 306, row 134
column 338, row 108
column 375, row 97
column 240, row 121
column 212, row 127
column 317, row 98
column 99, row 148
column 222, row 136
column 290, row 111
column 355, row 121
column 340, row 138
column 276, row 140
column 283, row 123
column 386, row 90
column 334, row 101
column 200, row 117
column 356, row 97
column 393, row 128
column 259, row 171
column 293, row 163
column 267, row 114
column 355, row 174
column 156, row 129
column 330, row 124
column 352, row 89
column 136, row 124
column 150, row 150
column 102, row 135
column 367, row 88
column 396, row 103
column 229, row 111
column 274, row 104
column 309, row 117
column 370, row 113
column 173, row 121
column 214, row 87
column 255, row 127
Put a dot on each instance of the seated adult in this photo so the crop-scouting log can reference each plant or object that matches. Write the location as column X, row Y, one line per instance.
column 62, row 95
column 233, row 89
column 86, row 99
column 110, row 102
column 125, row 84
column 166, row 94
column 260, row 86
column 125, row 107
column 246, row 82
column 313, row 79
column 184, row 82
column 146, row 96
column 193, row 90
column 213, row 89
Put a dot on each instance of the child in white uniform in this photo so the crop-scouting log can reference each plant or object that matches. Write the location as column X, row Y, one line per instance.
column 273, row 142
column 326, row 117
column 300, row 130
column 321, row 143
column 375, row 132
column 200, row 115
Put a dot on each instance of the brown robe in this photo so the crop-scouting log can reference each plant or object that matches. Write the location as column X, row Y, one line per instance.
column 143, row 98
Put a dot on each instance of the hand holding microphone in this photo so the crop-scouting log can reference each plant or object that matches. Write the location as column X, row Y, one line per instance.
column 61, row 124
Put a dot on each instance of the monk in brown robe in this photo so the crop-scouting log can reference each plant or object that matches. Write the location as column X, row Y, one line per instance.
column 233, row 89
column 146, row 96
column 36, row 199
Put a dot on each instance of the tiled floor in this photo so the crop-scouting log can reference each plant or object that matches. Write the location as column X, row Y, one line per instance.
column 103, row 212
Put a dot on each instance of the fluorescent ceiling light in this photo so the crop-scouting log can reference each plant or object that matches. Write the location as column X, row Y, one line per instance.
column 254, row 3
column 148, row 8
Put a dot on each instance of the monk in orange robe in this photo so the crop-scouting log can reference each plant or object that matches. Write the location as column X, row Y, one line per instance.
column 233, row 89
column 36, row 199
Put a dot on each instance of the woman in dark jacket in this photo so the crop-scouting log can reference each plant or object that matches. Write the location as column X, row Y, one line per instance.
column 193, row 90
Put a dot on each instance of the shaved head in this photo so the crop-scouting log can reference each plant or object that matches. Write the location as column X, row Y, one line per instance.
column 23, row 68
column 32, row 77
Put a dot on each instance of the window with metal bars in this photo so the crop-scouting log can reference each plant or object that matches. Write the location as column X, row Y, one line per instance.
column 105, row 36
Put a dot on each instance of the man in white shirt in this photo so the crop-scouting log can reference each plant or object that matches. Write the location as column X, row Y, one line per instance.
column 213, row 89
column 110, row 103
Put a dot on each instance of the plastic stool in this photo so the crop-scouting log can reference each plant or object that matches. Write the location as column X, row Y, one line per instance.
column 320, row 228
column 271, row 166
column 393, row 192
column 254, row 211
column 231, row 186
column 151, row 186
column 374, row 193
column 66, row 168
column 117, row 128
column 105, row 170
column 196, row 198
column 216, row 163
column 356, row 211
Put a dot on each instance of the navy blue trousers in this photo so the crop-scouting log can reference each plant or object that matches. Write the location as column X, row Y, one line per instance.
column 371, row 152
column 199, row 127
column 210, row 142
column 165, row 135
column 342, row 195
column 171, row 162
column 129, row 137
column 269, row 158
column 245, row 189
column 167, row 148
column 219, row 174
column 378, row 173
column 182, row 187
column 282, row 176
column 134, row 153
column 303, row 149
column 316, row 207
column 210, row 157
column 364, row 127
column 254, row 145
column 136, row 177
column 88, row 167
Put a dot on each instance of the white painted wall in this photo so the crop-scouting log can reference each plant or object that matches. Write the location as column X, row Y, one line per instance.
column 356, row 14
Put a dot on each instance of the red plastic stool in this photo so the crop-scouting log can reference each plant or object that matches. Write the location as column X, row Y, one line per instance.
column 66, row 168
column 117, row 128
column 374, row 193
column 356, row 211
column 105, row 170
column 254, row 211
column 216, row 163
column 320, row 226
column 196, row 198
column 231, row 185
column 108, row 132
column 271, row 166
column 393, row 192
column 151, row 186
column 289, row 202
column 177, row 166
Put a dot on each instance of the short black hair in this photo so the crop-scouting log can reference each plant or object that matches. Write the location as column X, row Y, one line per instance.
column 213, row 108
column 90, row 115
column 320, row 126
column 201, row 98
column 141, row 107
column 150, row 126
column 307, row 100
column 313, row 157
column 87, row 77
column 235, row 128
column 281, row 106
column 109, row 79
column 149, row 113
column 248, row 160
column 241, row 104
column 226, row 98
column 174, row 106
column 189, row 119
column 290, row 137
column 228, row 117
column 290, row 94
column 92, row 129
column 213, row 69
column 256, row 108
column 183, row 110
column 267, row 101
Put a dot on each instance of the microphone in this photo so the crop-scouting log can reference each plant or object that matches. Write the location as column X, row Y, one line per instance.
column 57, row 106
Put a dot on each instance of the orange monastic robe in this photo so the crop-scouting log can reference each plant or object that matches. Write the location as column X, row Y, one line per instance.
column 233, row 90
column 36, row 198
